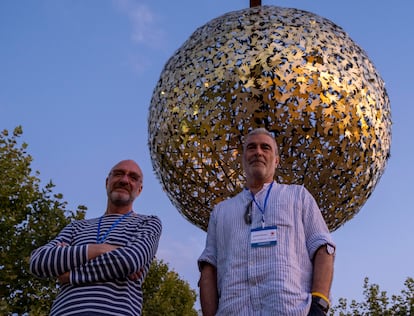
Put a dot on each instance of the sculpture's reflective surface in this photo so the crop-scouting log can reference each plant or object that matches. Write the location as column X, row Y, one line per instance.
column 293, row 72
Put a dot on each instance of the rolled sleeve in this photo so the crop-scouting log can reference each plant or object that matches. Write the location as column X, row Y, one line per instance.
column 317, row 241
column 209, row 254
column 316, row 231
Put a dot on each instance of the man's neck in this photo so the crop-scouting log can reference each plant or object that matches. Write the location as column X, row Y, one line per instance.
column 255, row 187
column 120, row 210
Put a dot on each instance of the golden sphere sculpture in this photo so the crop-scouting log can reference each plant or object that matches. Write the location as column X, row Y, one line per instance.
column 293, row 72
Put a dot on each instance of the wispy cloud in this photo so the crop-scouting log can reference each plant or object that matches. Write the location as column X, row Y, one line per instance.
column 144, row 23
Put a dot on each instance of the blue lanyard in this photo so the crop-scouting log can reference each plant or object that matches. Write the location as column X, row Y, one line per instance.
column 262, row 210
column 99, row 239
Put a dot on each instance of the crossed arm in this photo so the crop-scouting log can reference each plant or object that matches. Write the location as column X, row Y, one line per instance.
column 95, row 250
column 89, row 263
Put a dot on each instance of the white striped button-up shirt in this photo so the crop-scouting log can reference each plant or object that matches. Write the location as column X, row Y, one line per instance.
column 269, row 280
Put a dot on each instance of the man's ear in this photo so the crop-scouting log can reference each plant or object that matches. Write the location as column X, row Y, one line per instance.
column 277, row 160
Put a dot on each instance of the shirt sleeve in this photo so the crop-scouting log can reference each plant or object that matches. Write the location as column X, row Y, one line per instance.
column 209, row 255
column 316, row 231
column 120, row 263
column 52, row 260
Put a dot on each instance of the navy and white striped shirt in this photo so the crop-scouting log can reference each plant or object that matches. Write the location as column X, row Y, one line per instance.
column 270, row 280
column 101, row 285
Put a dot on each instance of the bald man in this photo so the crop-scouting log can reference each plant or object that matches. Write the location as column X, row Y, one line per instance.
column 102, row 262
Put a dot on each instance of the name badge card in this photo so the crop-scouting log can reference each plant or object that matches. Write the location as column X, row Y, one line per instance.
column 263, row 236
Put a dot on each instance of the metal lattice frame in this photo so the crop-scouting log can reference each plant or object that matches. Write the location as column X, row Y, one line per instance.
column 291, row 71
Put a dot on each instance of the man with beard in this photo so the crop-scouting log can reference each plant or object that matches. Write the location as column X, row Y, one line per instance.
column 101, row 263
column 268, row 249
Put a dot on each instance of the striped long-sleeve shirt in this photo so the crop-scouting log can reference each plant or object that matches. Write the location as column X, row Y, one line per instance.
column 269, row 280
column 100, row 286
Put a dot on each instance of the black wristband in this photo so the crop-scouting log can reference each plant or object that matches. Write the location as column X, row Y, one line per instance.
column 324, row 305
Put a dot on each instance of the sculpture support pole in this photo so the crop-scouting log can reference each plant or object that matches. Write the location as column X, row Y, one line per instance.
column 255, row 3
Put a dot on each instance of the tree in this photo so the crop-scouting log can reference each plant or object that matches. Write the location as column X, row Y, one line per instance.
column 165, row 294
column 378, row 303
column 30, row 216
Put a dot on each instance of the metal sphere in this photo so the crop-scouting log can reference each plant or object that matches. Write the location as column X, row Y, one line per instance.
column 295, row 73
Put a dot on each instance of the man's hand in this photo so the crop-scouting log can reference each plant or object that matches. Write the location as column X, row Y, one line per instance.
column 136, row 275
column 64, row 278
column 95, row 250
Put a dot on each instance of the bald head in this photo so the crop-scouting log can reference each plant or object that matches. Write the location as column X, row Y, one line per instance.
column 127, row 163
column 123, row 185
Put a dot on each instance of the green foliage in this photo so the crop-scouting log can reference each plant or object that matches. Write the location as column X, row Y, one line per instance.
column 377, row 303
column 30, row 216
column 165, row 294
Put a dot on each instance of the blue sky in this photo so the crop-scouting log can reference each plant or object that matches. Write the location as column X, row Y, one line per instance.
column 79, row 76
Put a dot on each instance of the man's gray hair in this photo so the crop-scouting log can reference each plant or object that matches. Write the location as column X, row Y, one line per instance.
column 261, row 130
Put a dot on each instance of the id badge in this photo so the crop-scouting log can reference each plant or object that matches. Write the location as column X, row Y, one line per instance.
column 263, row 236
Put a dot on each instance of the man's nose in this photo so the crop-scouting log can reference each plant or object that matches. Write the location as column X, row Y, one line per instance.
column 124, row 179
column 259, row 151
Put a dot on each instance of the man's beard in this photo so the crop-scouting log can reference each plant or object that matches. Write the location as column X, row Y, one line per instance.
column 120, row 199
column 258, row 172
